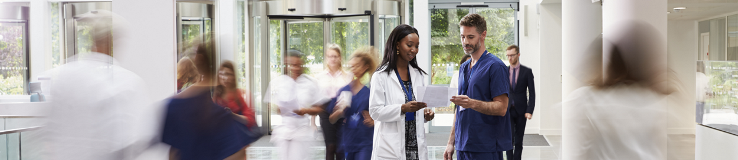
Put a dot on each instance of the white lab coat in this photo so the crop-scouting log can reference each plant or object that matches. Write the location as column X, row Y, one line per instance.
column 385, row 100
column 99, row 111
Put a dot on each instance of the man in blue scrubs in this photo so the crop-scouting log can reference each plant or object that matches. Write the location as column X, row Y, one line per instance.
column 481, row 127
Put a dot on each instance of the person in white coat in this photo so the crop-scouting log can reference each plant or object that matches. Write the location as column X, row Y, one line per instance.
column 398, row 118
column 294, row 94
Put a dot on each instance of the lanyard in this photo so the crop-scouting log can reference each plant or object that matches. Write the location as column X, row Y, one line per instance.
column 407, row 91
column 409, row 116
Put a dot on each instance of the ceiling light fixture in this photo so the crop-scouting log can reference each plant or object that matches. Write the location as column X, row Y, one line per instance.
column 678, row 9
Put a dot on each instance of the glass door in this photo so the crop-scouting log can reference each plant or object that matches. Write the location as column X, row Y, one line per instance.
column 309, row 36
column 194, row 30
column 350, row 33
column 446, row 47
column 78, row 32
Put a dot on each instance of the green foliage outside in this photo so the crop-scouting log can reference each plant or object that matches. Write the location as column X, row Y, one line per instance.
column 13, row 68
column 350, row 36
column 308, row 38
column 722, row 85
column 56, row 51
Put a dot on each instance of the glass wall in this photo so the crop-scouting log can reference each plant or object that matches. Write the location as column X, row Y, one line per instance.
column 13, row 49
column 717, row 95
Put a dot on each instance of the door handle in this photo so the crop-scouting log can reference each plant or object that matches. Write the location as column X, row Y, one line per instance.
column 291, row 9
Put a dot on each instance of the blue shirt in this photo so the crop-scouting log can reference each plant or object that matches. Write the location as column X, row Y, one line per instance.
column 354, row 134
column 477, row 132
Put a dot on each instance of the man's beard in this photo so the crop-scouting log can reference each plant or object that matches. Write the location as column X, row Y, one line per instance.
column 474, row 49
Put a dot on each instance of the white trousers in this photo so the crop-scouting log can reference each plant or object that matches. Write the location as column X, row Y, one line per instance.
column 293, row 149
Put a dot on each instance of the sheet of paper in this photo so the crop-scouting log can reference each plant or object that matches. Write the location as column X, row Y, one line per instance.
column 436, row 96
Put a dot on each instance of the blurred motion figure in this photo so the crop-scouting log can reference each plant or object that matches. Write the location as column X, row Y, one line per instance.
column 196, row 127
column 99, row 110
column 358, row 131
column 186, row 74
column 297, row 96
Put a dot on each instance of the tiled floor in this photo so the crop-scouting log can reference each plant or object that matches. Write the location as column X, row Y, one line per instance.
column 680, row 147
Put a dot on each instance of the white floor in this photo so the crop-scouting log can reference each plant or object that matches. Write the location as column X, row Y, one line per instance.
column 680, row 147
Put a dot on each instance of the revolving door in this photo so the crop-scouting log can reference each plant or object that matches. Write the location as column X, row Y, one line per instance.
column 309, row 27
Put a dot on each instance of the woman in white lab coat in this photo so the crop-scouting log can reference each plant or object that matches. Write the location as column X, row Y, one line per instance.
column 399, row 132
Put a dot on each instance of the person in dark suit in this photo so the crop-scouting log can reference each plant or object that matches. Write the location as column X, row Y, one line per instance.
column 520, row 106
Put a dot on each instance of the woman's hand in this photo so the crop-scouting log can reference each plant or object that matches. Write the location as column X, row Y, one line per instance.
column 368, row 121
column 429, row 114
column 412, row 106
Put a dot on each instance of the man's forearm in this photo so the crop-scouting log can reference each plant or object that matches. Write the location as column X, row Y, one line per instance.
column 494, row 108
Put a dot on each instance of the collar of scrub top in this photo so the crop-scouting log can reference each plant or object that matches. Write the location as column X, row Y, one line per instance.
column 471, row 69
column 471, row 72
column 409, row 116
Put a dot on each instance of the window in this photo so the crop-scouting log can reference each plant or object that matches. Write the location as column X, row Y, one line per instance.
column 13, row 49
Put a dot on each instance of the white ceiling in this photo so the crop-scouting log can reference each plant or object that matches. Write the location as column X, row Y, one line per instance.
column 701, row 9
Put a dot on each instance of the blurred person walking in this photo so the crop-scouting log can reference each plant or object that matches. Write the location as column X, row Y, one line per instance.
column 99, row 110
column 392, row 105
column 186, row 74
column 520, row 106
column 481, row 128
column 196, row 127
column 331, row 80
column 623, row 113
column 295, row 95
column 227, row 94
column 358, row 131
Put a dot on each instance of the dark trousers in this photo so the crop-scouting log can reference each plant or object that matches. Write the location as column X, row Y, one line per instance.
column 517, row 124
column 464, row 155
column 332, row 138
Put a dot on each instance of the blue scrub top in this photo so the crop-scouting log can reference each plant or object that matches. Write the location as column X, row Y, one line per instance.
column 477, row 132
column 354, row 135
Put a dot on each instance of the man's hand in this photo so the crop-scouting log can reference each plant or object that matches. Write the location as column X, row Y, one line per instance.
column 464, row 101
column 429, row 114
column 449, row 153
column 528, row 115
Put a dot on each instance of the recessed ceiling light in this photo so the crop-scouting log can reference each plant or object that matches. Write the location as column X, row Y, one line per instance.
column 679, row 8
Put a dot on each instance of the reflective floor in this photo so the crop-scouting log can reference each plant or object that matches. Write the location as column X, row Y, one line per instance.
column 680, row 147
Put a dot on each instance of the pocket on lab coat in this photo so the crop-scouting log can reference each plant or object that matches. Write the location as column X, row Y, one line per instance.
column 389, row 145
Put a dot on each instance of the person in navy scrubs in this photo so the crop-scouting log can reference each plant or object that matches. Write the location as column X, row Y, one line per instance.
column 481, row 127
column 358, row 130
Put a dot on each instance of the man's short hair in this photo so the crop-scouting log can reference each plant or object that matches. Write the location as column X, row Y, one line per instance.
column 474, row 20
column 517, row 50
column 295, row 53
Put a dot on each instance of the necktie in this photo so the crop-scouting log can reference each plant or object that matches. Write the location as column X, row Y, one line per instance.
column 514, row 78
column 514, row 82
